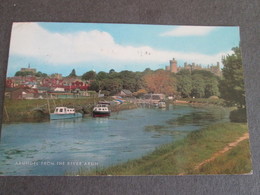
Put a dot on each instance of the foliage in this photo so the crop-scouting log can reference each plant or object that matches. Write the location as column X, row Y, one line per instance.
column 23, row 73
column 198, row 83
column 95, row 85
column 101, row 75
column 211, row 87
column 238, row 115
column 29, row 73
column 184, row 85
column 90, row 75
column 73, row 73
column 40, row 74
column 232, row 85
column 111, row 71
column 112, row 85
column 160, row 81
column 198, row 86
column 140, row 93
column 215, row 101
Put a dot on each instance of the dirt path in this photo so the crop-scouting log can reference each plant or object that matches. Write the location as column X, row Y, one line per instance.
column 215, row 155
column 227, row 148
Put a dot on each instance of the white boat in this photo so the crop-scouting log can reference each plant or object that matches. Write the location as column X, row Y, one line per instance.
column 64, row 113
column 101, row 110
column 162, row 104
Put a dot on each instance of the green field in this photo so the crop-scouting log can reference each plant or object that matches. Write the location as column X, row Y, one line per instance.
column 182, row 156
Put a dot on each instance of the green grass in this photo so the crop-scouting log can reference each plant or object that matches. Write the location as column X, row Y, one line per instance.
column 182, row 156
column 232, row 162
column 219, row 102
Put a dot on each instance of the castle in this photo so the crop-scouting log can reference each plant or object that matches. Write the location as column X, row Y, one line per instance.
column 29, row 69
column 173, row 67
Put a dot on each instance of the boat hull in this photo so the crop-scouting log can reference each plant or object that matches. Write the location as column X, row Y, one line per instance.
column 65, row 116
column 100, row 114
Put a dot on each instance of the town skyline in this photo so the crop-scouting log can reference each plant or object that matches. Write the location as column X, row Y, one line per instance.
column 168, row 67
column 61, row 47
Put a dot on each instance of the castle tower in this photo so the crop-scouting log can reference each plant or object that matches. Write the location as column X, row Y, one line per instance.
column 173, row 65
column 167, row 68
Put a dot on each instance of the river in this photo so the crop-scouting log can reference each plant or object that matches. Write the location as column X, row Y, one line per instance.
column 65, row 146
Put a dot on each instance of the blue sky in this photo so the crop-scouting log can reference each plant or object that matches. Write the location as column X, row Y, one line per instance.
column 61, row 47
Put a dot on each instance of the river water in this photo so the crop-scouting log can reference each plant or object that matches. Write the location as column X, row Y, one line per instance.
column 65, row 146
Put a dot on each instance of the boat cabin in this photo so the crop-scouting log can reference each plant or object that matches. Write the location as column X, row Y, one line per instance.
column 101, row 107
column 64, row 110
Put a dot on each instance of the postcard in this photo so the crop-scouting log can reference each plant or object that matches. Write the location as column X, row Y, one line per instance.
column 84, row 99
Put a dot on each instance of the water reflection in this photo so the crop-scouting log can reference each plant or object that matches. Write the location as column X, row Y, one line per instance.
column 65, row 122
column 101, row 120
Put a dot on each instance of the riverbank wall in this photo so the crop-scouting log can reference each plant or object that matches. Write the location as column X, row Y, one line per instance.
column 39, row 110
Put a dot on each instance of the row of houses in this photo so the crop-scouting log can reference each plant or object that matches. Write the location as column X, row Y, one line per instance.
column 31, row 87
column 45, row 92
column 30, row 93
column 65, row 84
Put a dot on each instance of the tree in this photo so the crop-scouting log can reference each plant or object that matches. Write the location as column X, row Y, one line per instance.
column 73, row 73
column 211, row 88
column 101, row 75
column 140, row 93
column 232, row 85
column 112, row 85
column 21, row 73
column 198, row 86
column 40, row 74
column 90, row 75
column 184, row 83
column 160, row 81
column 95, row 86
column 111, row 71
column 129, row 80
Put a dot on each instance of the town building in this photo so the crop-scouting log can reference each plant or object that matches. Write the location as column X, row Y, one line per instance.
column 125, row 93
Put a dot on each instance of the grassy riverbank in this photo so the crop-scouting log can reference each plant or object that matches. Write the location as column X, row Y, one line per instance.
column 183, row 156
column 214, row 101
column 37, row 110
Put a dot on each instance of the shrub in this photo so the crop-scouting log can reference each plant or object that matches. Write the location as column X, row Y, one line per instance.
column 238, row 116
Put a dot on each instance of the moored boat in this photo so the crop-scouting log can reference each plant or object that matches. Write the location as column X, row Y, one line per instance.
column 101, row 110
column 162, row 104
column 64, row 113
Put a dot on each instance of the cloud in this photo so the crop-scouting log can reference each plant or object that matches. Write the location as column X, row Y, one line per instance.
column 97, row 47
column 189, row 31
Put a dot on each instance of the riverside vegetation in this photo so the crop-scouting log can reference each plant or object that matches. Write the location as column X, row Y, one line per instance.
column 181, row 157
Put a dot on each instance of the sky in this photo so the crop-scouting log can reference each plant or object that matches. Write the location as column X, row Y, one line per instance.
column 60, row 47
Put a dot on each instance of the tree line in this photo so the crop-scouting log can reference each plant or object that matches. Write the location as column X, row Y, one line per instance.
column 198, row 83
column 185, row 83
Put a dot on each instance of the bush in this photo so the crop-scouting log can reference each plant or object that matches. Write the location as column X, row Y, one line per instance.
column 238, row 116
